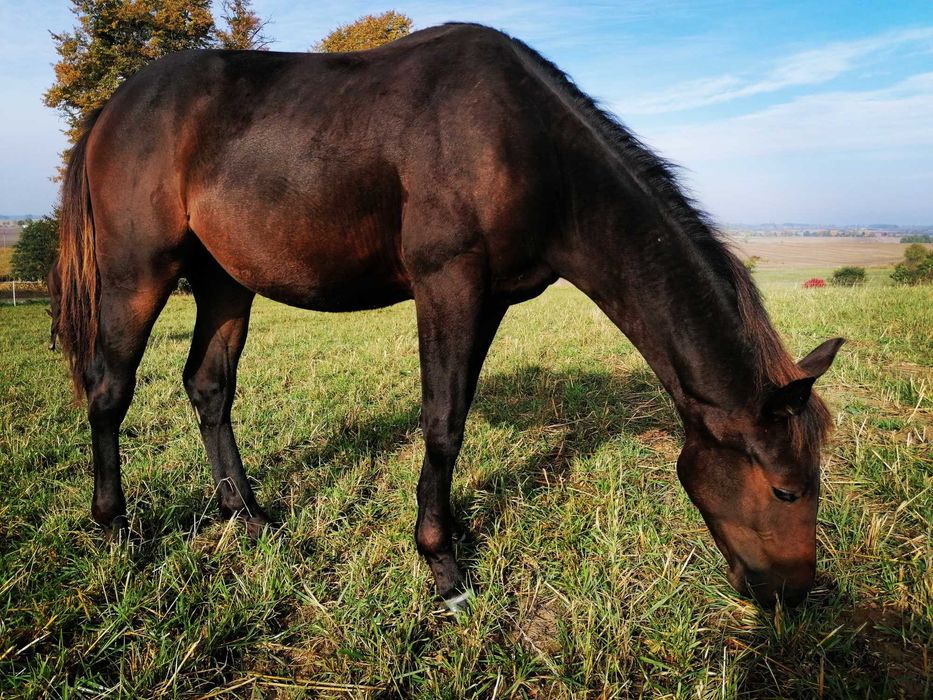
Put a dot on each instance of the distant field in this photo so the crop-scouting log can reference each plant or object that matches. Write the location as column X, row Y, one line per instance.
column 794, row 252
column 597, row 577
column 6, row 255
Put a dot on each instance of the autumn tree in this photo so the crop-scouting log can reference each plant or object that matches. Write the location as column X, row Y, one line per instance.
column 244, row 28
column 366, row 33
column 113, row 40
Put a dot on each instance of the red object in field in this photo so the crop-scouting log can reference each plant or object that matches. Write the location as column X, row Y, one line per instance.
column 814, row 282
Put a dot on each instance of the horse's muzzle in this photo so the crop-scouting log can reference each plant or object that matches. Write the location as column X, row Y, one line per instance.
column 766, row 588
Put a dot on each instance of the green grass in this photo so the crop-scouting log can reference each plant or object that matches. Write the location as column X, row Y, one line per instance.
column 794, row 277
column 597, row 576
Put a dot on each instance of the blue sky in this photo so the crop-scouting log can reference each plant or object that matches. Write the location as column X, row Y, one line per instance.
column 817, row 112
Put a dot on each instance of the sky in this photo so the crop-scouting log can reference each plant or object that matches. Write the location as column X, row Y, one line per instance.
column 784, row 111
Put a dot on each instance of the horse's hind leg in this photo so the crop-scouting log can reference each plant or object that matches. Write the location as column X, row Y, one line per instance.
column 456, row 324
column 126, row 319
column 210, row 380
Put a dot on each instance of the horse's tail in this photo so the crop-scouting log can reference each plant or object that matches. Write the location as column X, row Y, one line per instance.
column 79, row 281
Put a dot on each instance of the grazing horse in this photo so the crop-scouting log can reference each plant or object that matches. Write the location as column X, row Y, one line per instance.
column 455, row 167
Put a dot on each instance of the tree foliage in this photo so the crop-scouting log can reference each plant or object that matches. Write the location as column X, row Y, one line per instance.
column 366, row 33
column 849, row 276
column 917, row 267
column 244, row 28
column 115, row 38
column 917, row 238
column 36, row 249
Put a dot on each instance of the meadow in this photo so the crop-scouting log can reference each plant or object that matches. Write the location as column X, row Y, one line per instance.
column 596, row 576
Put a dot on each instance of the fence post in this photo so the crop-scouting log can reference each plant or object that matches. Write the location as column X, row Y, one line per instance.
column 14, row 292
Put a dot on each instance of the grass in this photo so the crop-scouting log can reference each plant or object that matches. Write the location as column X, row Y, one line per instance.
column 795, row 277
column 597, row 576
column 6, row 259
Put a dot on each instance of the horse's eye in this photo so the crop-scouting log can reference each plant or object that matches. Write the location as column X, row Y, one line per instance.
column 783, row 495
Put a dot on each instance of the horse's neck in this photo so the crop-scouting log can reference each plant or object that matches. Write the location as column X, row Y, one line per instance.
column 653, row 281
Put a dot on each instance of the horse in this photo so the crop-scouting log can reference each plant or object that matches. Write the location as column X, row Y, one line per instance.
column 459, row 168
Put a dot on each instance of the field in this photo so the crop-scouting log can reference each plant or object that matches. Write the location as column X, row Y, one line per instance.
column 6, row 256
column 800, row 253
column 597, row 577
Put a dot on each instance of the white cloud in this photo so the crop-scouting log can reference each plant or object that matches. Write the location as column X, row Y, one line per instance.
column 811, row 67
column 895, row 117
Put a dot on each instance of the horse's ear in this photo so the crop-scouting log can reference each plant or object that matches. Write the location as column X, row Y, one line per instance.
column 818, row 361
column 789, row 400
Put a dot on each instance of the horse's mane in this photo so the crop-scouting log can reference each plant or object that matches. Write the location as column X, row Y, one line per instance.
column 658, row 178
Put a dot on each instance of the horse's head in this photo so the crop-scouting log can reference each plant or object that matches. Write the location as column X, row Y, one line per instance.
column 755, row 479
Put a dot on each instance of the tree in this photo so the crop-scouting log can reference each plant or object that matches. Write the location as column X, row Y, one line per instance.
column 366, row 33
column 917, row 267
column 244, row 28
column 115, row 38
column 848, row 276
column 36, row 249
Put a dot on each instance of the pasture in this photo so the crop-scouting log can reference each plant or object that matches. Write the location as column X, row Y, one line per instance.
column 596, row 576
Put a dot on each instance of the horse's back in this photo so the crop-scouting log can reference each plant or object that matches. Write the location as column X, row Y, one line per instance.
column 299, row 172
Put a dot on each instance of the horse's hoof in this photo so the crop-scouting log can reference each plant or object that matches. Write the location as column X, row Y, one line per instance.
column 459, row 602
column 256, row 525
column 118, row 532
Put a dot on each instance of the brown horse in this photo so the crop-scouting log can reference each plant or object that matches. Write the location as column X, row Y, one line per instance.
column 456, row 167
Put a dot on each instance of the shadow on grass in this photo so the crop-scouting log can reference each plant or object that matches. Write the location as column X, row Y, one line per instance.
column 837, row 647
column 589, row 408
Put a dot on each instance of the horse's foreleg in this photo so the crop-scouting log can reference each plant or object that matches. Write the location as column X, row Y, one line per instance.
column 210, row 380
column 124, row 326
column 456, row 324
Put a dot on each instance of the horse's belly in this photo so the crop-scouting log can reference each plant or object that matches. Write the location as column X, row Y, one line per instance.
column 332, row 247
column 353, row 293
column 311, row 274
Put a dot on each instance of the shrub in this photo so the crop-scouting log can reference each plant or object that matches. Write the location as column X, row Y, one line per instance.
column 751, row 263
column 917, row 267
column 848, row 276
column 814, row 282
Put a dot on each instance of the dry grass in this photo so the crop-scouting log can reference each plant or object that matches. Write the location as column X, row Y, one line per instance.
column 6, row 257
column 796, row 252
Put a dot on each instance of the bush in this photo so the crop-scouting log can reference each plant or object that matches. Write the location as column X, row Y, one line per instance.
column 848, row 277
column 814, row 282
column 917, row 267
column 751, row 263
column 35, row 252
